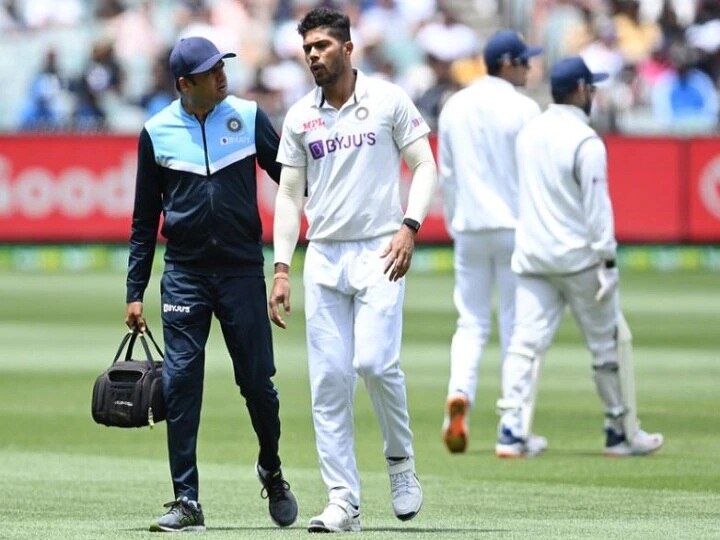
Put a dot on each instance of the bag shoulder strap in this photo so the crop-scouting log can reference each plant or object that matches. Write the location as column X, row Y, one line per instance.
column 157, row 347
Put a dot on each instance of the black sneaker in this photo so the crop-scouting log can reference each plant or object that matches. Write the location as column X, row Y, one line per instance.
column 281, row 502
column 183, row 515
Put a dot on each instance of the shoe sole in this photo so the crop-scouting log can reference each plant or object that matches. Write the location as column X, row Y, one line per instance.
column 191, row 528
column 320, row 527
column 283, row 524
column 455, row 436
column 630, row 453
column 408, row 517
column 511, row 455
column 505, row 453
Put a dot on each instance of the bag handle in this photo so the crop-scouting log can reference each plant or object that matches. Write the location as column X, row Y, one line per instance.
column 132, row 336
column 157, row 347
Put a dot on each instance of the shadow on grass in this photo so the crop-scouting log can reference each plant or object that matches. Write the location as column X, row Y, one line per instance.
column 453, row 530
column 394, row 530
column 556, row 452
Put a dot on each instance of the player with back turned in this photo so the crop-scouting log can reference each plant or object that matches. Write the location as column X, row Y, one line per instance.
column 564, row 255
column 343, row 143
column 197, row 168
column 478, row 177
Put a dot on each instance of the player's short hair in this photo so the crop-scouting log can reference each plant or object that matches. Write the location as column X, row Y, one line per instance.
column 562, row 97
column 336, row 22
column 494, row 68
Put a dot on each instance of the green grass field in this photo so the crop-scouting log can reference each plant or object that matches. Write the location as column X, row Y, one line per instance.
column 64, row 477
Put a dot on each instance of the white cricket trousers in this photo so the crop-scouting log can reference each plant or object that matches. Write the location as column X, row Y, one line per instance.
column 482, row 263
column 540, row 304
column 354, row 327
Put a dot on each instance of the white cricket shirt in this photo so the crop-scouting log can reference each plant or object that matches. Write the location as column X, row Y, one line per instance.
column 565, row 220
column 352, row 158
column 476, row 142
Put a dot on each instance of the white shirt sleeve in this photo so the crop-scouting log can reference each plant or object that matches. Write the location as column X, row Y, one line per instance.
column 408, row 123
column 291, row 150
column 288, row 211
column 591, row 173
column 419, row 158
column 446, row 169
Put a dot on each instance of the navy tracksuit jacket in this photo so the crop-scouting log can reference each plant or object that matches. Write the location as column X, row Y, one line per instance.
column 201, row 177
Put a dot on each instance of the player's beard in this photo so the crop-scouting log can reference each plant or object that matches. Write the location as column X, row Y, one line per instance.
column 587, row 106
column 331, row 74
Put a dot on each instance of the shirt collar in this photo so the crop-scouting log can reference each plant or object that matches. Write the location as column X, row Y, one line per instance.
column 571, row 109
column 360, row 91
column 498, row 81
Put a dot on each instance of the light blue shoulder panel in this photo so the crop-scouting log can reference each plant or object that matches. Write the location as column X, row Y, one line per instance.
column 178, row 136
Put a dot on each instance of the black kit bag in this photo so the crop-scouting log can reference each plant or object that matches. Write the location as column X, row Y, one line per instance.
column 129, row 393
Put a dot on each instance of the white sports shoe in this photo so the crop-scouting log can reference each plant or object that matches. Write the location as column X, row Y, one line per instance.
column 509, row 446
column 405, row 490
column 338, row 516
column 536, row 444
column 642, row 444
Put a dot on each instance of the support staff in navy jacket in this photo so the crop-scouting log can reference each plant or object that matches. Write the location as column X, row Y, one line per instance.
column 196, row 167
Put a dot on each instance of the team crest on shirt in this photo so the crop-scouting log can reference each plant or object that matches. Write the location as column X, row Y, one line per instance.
column 361, row 113
column 234, row 124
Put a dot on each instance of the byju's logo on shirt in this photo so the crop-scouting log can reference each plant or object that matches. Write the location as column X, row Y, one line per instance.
column 167, row 308
column 319, row 149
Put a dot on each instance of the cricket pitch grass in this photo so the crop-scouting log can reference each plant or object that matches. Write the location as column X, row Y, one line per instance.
column 64, row 477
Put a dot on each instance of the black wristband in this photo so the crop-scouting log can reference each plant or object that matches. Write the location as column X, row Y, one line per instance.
column 414, row 225
column 610, row 263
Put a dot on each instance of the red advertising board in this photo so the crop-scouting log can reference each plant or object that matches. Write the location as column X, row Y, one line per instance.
column 60, row 188
column 703, row 182
column 644, row 177
column 80, row 189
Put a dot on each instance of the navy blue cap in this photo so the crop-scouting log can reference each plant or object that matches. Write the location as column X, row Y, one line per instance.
column 194, row 55
column 566, row 75
column 508, row 44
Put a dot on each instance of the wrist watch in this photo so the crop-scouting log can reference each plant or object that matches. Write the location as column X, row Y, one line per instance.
column 414, row 225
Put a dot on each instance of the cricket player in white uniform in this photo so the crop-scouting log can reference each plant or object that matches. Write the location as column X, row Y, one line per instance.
column 565, row 255
column 341, row 145
column 478, row 177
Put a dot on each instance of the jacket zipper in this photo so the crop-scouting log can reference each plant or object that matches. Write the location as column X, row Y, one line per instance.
column 207, row 166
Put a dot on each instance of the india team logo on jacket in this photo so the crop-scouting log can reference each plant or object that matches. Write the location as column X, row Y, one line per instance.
column 234, row 124
column 319, row 149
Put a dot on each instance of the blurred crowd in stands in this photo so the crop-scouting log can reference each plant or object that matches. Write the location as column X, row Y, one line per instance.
column 663, row 57
column 101, row 65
